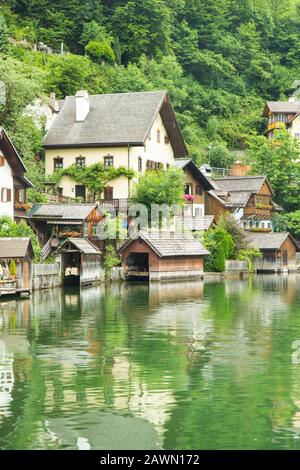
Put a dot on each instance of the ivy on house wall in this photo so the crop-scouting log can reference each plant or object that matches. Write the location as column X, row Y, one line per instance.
column 94, row 177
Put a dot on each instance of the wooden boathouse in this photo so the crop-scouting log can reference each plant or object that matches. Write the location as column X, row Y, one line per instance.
column 16, row 255
column 162, row 255
column 80, row 262
column 278, row 251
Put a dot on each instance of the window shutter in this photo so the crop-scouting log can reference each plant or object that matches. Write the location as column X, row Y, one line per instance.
column 2, row 160
column 8, row 195
column 2, row 194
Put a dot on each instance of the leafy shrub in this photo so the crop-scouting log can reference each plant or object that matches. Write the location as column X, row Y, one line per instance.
column 220, row 245
column 111, row 260
column 100, row 51
column 230, row 225
column 250, row 255
column 13, row 268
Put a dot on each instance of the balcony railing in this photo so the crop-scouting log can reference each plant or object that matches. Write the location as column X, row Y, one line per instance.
column 118, row 205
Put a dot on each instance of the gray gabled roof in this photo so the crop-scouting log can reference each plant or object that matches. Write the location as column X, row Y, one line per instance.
column 221, row 197
column 82, row 244
column 166, row 244
column 268, row 241
column 239, row 199
column 61, row 211
column 252, row 184
column 289, row 107
column 117, row 119
column 15, row 247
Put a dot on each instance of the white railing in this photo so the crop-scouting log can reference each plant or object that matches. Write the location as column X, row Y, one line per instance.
column 220, row 171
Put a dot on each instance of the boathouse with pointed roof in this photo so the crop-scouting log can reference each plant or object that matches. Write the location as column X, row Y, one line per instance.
column 163, row 255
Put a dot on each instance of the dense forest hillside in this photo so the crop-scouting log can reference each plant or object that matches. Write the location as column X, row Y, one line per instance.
column 219, row 60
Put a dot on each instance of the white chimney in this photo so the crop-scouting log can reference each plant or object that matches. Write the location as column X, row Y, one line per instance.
column 82, row 103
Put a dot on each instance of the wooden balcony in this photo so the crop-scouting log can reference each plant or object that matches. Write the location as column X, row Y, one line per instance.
column 259, row 211
column 276, row 125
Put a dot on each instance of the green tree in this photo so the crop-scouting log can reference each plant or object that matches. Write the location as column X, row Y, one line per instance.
column 71, row 73
column 160, row 187
column 219, row 155
column 288, row 223
column 8, row 228
column 230, row 225
column 220, row 245
column 93, row 31
column 278, row 159
column 143, row 27
column 4, row 34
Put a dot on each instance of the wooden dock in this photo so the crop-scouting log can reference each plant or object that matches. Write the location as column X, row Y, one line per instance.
column 9, row 288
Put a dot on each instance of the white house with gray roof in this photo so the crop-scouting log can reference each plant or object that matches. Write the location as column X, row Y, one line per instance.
column 137, row 131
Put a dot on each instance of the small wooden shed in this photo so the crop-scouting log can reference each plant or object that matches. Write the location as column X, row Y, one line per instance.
column 80, row 261
column 18, row 252
column 162, row 255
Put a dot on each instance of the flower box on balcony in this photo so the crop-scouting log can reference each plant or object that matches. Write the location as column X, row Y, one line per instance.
column 261, row 229
column 189, row 197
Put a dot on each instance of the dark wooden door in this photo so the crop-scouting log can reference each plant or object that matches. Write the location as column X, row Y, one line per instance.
column 80, row 191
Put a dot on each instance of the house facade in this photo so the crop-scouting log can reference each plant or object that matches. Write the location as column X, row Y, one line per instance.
column 13, row 182
column 196, row 186
column 249, row 199
column 137, row 131
column 283, row 115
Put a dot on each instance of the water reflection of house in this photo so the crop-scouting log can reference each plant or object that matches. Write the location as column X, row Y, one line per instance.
column 11, row 347
column 6, row 380
column 174, row 291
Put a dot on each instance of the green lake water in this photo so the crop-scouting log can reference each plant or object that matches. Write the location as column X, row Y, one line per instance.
column 166, row 366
